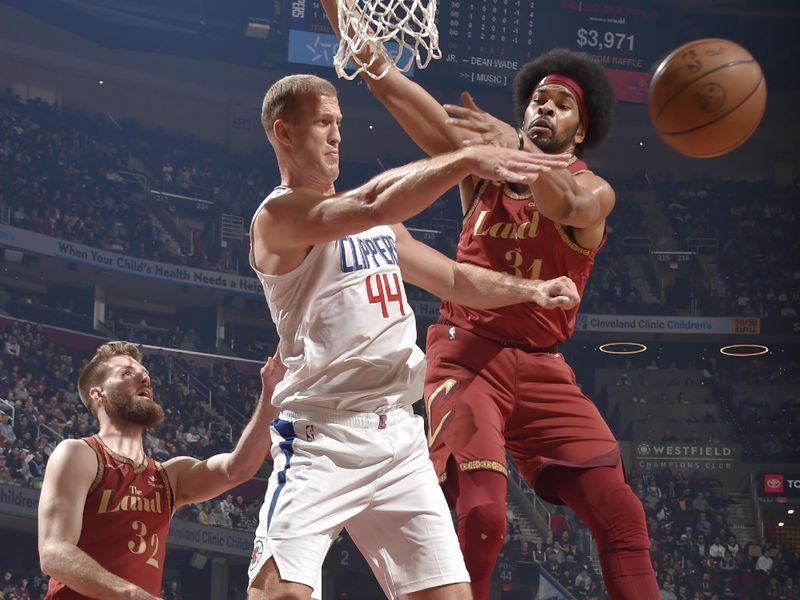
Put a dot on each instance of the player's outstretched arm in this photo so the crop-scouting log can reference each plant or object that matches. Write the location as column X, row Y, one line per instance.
column 474, row 286
column 195, row 480
column 305, row 217
column 582, row 201
column 480, row 127
column 417, row 112
column 69, row 475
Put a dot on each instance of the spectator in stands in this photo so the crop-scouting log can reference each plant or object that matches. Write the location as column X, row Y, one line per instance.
column 595, row 591
column 171, row 590
column 565, row 538
column 703, row 525
column 538, row 553
column 71, row 393
column 6, row 430
column 764, row 563
column 555, row 555
column 728, row 562
column 701, row 546
column 716, row 549
column 17, row 465
column 733, row 545
column 235, row 515
column 668, row 591
column 249, row 519
column 220, row 517
column 226, row 504
column 205, row 516
column 12, row 347
column 705, row 590
column 558, row 523
column 7, row 584
column 583, row 581
column 22, row 591
column 5, row 474
column 36, row 465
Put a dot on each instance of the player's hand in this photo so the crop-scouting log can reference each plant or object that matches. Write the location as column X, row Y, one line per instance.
column 560, row 292
column 485, row 128
column 271, row 373
column 516, row 166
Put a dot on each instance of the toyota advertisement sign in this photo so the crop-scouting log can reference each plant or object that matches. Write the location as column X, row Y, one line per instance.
column 784, row 485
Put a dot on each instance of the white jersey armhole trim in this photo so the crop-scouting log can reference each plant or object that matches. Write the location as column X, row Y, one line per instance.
column 279, row 191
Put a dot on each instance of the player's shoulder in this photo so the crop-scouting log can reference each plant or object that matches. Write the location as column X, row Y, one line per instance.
column 74, row 459
column 600, row 186
column 70, row 448
column 284, row 201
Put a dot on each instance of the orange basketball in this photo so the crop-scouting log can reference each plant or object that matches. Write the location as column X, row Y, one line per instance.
column 707, row 97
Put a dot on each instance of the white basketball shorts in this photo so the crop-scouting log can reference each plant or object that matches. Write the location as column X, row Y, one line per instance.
column 366, row 472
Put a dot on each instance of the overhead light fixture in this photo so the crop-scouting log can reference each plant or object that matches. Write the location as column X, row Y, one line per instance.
column 623, row 348
column 743, row 350
column 257, row 28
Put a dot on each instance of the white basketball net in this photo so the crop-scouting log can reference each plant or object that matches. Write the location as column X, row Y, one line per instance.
column 371, row 23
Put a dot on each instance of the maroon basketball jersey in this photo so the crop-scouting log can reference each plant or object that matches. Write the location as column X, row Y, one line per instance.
column 504, row 231
column 125, row 521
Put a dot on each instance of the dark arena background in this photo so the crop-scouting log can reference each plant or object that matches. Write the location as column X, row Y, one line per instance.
column 131, row 160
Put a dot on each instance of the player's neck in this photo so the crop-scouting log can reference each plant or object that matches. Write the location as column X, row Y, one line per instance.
column 323, row 186
column 299, row 175
column 125, row 441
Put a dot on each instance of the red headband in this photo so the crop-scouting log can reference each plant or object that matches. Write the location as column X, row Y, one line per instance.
column 574, row 88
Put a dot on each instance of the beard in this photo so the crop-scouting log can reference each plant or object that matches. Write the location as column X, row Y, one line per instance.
column 135, row 410
column 555, row 143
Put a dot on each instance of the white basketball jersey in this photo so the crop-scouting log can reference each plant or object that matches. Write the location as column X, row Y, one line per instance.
column 347, row 333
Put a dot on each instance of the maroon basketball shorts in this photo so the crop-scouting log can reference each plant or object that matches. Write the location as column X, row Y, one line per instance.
column 483, row 398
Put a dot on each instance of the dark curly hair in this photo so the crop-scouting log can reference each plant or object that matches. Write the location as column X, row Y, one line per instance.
column 597, row 89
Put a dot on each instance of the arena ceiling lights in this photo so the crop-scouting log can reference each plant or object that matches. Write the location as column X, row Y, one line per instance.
column 622, row 348
column 744, row 350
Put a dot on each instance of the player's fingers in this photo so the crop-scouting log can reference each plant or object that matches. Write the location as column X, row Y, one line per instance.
column 466, row 124
column 468, row 101
column 557, row 157
column 508, row 175
column 564, row 302
column 548, row 159
column 531, row 167
column 532, row 159
column 479, row 141
column 531, row 178
column 461, row 111
column 550, row 303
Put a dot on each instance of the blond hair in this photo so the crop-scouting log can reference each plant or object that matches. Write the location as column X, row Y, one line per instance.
column 95, row 371
column 284, row 96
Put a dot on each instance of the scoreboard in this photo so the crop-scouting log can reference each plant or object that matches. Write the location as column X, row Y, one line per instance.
column 485, row 42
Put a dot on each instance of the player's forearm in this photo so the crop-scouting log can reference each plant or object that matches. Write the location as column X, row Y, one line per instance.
column 477, row 287
column 254, row 443
column 558, row 194
column 80, row 572
column 401, row 193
